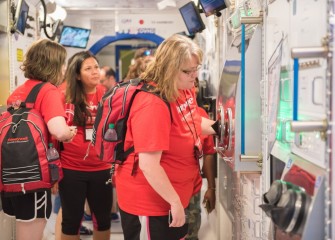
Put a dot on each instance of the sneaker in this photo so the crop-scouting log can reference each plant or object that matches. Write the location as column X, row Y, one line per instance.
column 85, row 231
column 115, row 217
column 87, row 217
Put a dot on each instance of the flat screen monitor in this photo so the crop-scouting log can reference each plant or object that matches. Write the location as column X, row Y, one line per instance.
column 211, row 7
column 74, row 37
column 21, row 15
column 192, row 18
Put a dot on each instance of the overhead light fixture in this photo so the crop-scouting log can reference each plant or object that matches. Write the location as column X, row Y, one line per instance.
column 51, row 7
column 55, row 11
column 166, row 3
column 51, row 15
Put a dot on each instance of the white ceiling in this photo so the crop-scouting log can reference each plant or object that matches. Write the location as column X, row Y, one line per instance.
column 134, row 6
column 102, row 7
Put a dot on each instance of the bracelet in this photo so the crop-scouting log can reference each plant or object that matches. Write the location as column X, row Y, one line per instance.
column 211, row 188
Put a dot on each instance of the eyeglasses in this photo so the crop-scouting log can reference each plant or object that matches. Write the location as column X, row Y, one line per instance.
column 190, row 72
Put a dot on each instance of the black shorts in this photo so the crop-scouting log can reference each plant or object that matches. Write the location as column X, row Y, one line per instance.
column 74, row 188
column 157, row 227
column 29, row 206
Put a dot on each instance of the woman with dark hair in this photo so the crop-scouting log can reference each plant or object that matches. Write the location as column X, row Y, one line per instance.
column 44, row 62
column 85, row 175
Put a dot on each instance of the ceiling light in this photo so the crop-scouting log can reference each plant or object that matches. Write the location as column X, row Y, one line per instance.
column 51, row 7
column 56, row 12
column 166, row 3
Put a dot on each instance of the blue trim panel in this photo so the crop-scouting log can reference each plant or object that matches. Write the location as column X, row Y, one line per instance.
column 295, row 88
column 103, row 42
column 243, row 90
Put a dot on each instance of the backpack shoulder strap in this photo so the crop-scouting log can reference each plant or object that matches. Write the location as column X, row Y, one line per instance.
column 150, row 89
column 133, row 82
column 31, row 98
column 146, row 88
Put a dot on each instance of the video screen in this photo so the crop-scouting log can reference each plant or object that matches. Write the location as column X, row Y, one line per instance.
column 192, row 18
column 211, row 7
column 74, row 37
column 21, row 21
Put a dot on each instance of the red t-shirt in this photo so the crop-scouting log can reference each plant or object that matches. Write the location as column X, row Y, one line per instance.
column 206, row 140
column 48, row 101
column 150, row 129
column 73, row 155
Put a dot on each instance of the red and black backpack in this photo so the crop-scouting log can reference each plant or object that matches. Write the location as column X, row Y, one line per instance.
column 114, row 108
column 24, row 141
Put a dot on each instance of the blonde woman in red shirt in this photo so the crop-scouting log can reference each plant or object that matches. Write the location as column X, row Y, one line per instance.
column 160, row 177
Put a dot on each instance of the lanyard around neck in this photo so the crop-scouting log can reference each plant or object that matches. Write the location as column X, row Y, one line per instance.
column 189, row 108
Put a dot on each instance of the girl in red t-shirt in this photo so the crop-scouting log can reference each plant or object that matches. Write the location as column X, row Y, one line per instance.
column 44, row 62
column 160, row 177
column 85, row 175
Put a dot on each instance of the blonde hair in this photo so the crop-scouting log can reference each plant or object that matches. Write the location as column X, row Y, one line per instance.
column 169, row 57
column 44, row 61
column 136, row 69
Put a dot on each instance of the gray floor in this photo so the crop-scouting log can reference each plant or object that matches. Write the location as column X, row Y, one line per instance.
column 116, row 231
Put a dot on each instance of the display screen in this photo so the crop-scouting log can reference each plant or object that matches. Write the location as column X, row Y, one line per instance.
column 192, row 18
column 276, row 168
column 22, row 19
column 74, row 37
column 211, row 7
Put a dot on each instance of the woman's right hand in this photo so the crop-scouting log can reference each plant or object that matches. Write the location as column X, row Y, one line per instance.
column 149, row 163
column 177, row 213
column 73, row 131
column 60, row 130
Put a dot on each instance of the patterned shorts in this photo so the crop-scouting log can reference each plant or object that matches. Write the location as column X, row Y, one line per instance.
column 194, row 217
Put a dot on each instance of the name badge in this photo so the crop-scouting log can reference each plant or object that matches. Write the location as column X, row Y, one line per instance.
column 88, row 134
